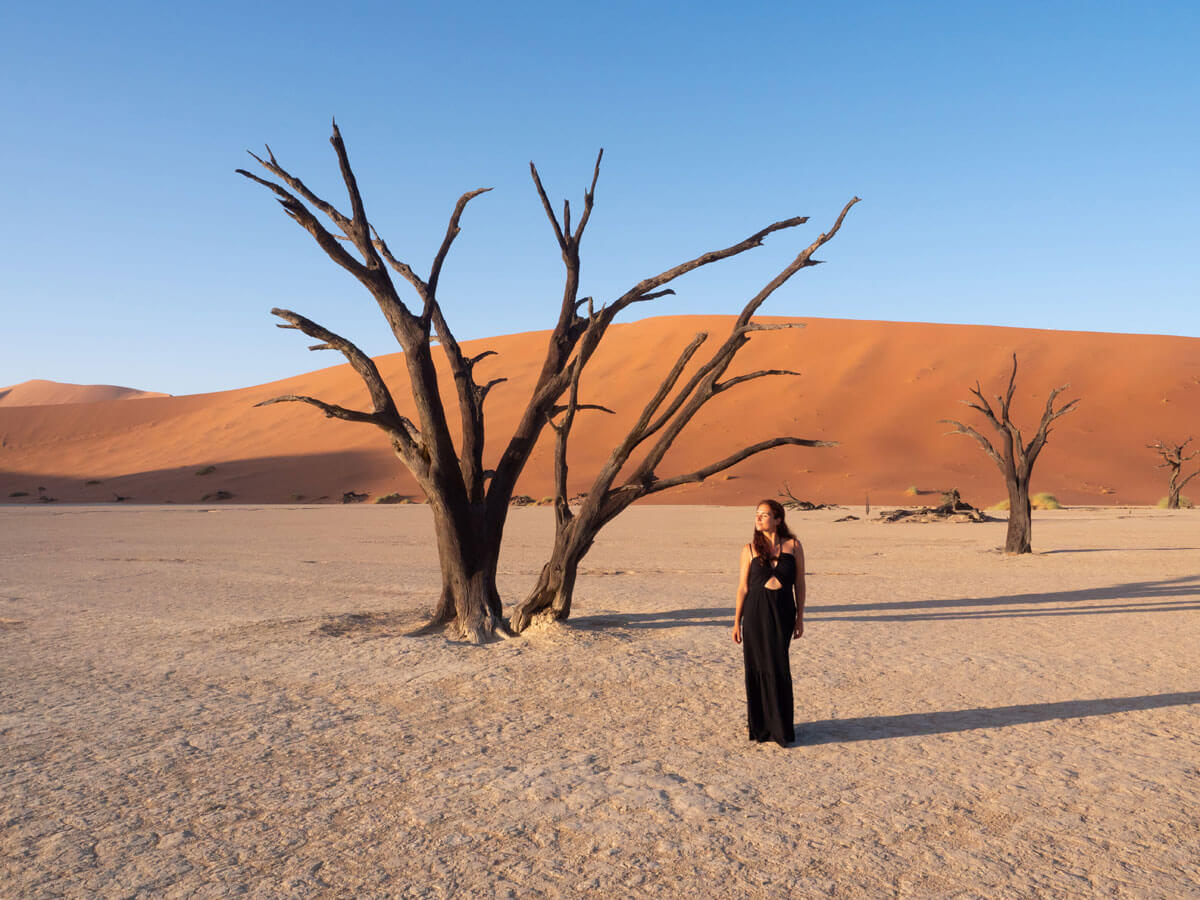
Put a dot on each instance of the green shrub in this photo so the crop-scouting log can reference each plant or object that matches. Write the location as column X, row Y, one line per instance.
column 207, row 470
column 91, row 481
column 1184, row 503
column 26, row 494
column 1037, row 501
column 911, row 490
column 391, row 498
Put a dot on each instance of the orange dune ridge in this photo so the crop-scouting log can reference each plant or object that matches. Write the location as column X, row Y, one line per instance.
column 879, row 388
column 39, row 392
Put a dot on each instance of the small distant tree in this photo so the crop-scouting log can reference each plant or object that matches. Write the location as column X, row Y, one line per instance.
column 1173, row 459
column 1014, row 458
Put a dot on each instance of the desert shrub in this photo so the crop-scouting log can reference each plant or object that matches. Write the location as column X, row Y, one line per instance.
column 296, row 498
column 1184, row 503
column 207, row 470
column 911, row 490
column 521, row 500
column 91, row 481
column 216, row 495
column 1037, row 501
column 26, row 494
column 391, row 498
column 545, row 501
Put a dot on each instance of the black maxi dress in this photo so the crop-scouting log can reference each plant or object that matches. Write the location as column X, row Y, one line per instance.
column 768, row 619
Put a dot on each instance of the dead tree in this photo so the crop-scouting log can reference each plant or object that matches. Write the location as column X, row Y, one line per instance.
column 1173, row 459
column 662, row 420
column 469, row 503
column 790, row 501
column 1014, row 458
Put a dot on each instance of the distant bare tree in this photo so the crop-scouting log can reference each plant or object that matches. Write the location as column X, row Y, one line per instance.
column 575, row 531
column 1014, row 458
column 469, row 502
column 1173, row 459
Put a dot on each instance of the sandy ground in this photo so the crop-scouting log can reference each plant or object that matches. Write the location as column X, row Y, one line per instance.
column 209, row 702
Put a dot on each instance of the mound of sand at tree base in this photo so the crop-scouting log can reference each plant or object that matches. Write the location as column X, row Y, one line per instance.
column 877, row 387
column 43, row 393
column 209, row 701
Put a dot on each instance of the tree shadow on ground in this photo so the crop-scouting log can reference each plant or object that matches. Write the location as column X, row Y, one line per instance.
column 667, row 618
column 875, row 728
column 1116, row 550
column 1168, row 595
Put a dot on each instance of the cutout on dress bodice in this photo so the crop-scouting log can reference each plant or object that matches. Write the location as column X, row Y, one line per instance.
column 773, row 583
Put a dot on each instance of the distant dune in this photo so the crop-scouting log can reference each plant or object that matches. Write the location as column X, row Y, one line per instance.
column 879, row 388
column 46, row 393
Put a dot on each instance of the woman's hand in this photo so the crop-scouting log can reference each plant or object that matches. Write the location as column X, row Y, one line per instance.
column 737, row 632
column 798, row 631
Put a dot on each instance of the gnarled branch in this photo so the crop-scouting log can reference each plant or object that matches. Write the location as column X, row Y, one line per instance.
column 662, row 484
column 960, row 428
column 381, row 397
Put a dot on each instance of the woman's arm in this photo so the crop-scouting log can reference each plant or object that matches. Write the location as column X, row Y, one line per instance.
column 743, row 586
column 798, row 552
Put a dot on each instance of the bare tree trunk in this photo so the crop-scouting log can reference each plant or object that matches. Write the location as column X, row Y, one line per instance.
column 1020, row 519
column 555, row 588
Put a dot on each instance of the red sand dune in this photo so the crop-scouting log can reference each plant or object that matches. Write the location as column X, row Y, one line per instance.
column 45, row 393
column 879, row 388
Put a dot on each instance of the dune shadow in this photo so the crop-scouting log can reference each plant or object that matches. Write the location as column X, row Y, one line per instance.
column 875, row 728
column 309, row 477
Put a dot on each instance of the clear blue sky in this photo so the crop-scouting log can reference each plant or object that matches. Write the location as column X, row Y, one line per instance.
column 1028, row 164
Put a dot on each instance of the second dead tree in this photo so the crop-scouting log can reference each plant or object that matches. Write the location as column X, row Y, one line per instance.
column 660, row 423
column 1014, row 457
column 1173, row 459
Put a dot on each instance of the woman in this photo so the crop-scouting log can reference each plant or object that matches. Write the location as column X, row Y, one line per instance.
column 769, row 613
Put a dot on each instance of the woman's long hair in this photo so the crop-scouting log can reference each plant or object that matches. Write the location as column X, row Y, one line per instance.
column 762, row 546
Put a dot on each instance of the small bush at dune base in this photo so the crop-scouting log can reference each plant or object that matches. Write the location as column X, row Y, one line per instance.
column 1037, row 501
column 391, row 498
column 1184, row 503
column 911, row 490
